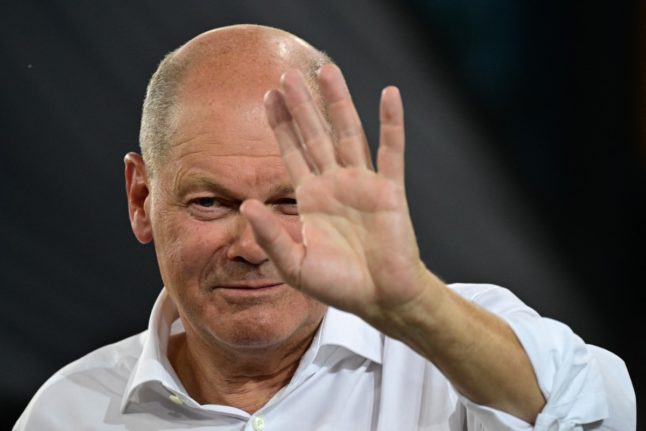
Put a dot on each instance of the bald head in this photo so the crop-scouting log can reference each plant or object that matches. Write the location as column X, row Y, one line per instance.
column 226, row 61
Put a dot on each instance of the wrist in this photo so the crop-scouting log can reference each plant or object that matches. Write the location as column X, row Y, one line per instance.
column 422, row 312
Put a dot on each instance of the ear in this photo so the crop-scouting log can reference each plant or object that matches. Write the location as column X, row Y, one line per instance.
column 138, row 193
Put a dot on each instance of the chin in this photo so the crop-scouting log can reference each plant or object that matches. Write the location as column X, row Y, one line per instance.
column 264, row 330
column 242, row 338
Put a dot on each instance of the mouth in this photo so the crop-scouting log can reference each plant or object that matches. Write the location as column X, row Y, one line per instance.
column 249, row 292
column 249, row 285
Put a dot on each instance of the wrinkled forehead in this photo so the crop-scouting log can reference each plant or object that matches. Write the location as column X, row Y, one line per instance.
column 219, row 99
column 223, row 106
column 224, row 92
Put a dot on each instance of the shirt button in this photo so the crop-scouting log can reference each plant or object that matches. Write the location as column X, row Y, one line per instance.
column 177, row 400
column 258, row 423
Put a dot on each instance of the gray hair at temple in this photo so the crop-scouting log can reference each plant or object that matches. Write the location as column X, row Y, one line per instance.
column 157, row 128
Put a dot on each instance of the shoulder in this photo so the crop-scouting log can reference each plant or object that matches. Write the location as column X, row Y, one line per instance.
column 120, row 356
column 96, row 379
column 494, row 298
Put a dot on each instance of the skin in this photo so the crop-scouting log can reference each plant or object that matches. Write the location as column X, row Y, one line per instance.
column 241, row 344
column 351, row 244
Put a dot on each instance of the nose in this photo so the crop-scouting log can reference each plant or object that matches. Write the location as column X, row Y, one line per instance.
column 244, row 245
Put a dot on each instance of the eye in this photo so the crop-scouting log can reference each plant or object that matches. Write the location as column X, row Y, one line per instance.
column 208, row 208
column 207, row 202
column 286, row 206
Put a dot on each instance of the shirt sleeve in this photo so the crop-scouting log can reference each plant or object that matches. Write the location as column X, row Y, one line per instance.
column 586, row 387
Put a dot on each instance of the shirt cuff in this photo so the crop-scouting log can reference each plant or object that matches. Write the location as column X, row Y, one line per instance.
column 567, row 372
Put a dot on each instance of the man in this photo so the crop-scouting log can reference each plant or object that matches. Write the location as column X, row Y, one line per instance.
column 295, row 297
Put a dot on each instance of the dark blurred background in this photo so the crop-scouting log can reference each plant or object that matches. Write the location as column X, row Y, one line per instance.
column 525, row 162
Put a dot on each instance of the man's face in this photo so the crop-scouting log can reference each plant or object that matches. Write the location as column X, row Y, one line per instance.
column 222, row 153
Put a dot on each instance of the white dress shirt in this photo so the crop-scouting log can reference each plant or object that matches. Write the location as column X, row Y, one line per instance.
column 351, row 378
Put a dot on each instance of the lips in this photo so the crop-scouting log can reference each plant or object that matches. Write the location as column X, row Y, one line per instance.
column 249, row 285
column 249, row 292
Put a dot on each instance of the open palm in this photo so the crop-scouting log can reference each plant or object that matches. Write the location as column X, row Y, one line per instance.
column 358, row 250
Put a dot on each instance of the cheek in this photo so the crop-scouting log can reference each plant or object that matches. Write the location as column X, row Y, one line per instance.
column 187, row 246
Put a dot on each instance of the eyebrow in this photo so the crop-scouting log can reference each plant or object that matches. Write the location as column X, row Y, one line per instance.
column 222, row 190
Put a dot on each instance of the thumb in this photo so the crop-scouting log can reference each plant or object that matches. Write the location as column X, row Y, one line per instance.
column 285, row 253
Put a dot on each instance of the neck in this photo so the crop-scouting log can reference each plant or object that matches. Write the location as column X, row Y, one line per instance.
column 245, row 378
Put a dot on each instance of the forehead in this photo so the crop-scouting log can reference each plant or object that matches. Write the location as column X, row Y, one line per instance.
column 227, row 127
column 221, row 134
column 221, row 110
column 222, row 95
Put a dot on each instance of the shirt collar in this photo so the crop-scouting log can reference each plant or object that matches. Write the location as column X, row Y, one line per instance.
column 350, row 332
column 153, row 364
column 337, row 329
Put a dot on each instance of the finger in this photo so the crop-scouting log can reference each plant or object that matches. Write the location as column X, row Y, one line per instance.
column 280, row 121
column 285, row 253
column 390, row 156
column 352, row 146
column 308, row 119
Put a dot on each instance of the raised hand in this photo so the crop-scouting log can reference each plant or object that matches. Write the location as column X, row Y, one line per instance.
column 358, row 249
